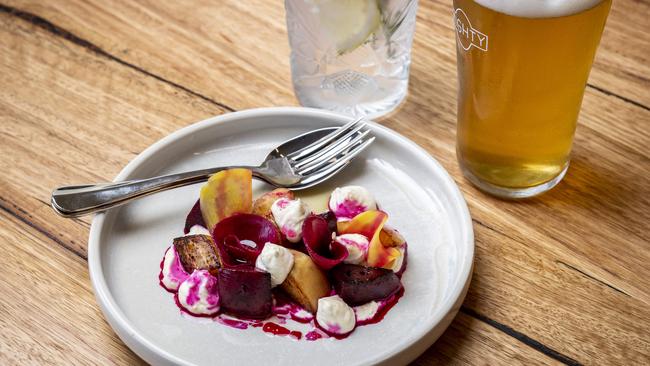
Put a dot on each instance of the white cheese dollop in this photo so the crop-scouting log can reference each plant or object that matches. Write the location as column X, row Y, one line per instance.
column 198, row 230
column 335, row 316
column 367, row 311
column 289, row 216
column 172, row 272
column 276, row 260
column 198, row 294
column 357, row 246
column 349, row 201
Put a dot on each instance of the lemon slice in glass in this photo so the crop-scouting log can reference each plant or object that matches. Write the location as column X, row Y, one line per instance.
column 349, row 23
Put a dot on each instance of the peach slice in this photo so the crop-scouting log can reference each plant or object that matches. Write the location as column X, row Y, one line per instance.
column 370, row 224
column 226, row 193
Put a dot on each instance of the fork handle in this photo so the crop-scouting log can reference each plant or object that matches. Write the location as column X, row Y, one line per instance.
column 79, row 200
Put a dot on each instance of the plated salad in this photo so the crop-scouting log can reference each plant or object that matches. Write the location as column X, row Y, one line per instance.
column 272, row 263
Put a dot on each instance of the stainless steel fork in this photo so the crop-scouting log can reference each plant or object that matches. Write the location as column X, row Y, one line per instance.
column 298, row 163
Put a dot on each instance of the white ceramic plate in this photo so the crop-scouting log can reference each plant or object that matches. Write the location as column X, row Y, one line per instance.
column 127, row 244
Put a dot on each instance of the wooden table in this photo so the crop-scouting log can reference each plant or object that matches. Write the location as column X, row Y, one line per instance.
column 87, row 85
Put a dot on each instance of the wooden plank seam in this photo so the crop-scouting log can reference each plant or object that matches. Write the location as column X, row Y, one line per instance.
column 60, row 32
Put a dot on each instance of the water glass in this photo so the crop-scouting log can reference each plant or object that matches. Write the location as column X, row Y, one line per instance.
column 351, row 56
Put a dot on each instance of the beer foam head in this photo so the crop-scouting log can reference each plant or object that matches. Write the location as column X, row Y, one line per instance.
column 538, row 8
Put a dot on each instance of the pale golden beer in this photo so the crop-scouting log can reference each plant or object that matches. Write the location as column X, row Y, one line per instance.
column 522, row 69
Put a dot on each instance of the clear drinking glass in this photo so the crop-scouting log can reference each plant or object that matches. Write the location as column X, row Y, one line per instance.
column 522, row 71
column 351, row 56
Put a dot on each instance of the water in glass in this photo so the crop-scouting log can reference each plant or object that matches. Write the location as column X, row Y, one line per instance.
column 351, row 56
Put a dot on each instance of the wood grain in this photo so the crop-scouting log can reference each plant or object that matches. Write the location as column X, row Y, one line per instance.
column 218, row 38
column 562, row 277
column 470, row 341
column 60, row 101
column 48, row 310
column 622, row 66
column 29, row 129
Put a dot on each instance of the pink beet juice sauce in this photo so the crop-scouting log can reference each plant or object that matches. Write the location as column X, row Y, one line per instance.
column 177, row 274
column 348, row 209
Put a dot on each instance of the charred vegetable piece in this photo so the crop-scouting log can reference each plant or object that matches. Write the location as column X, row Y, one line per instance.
column 197, row 252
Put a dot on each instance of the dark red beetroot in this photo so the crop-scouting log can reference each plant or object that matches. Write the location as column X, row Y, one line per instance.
column 317, row 237
column 358, row 284
column 245, row 292
column 331, row 220
column 229, row 233
column 194, row 218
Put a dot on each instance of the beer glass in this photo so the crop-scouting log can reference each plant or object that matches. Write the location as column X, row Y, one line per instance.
column 522, row 70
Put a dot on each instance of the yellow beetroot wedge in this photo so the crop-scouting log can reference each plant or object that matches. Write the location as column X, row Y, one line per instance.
column 306, row 282
column 226, row 193
column 369, row 224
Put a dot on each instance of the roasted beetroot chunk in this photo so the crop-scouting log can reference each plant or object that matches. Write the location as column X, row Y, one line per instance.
column 231, row 231
column 358, row 285
column 245, row 292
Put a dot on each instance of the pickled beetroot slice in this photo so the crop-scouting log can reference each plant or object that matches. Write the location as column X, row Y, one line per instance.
column 194, row 217
column 243, row 254
column 245, row 292
column 331, row 220
column 317, row 237
column 229, row 233
column 358, row 285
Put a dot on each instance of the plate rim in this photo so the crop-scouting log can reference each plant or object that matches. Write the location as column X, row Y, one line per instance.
column 151, row 352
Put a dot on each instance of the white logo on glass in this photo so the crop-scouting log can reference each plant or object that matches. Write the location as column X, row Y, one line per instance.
column 468, row 37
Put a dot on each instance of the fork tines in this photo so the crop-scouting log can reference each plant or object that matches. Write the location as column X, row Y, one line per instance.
column 332, row 151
